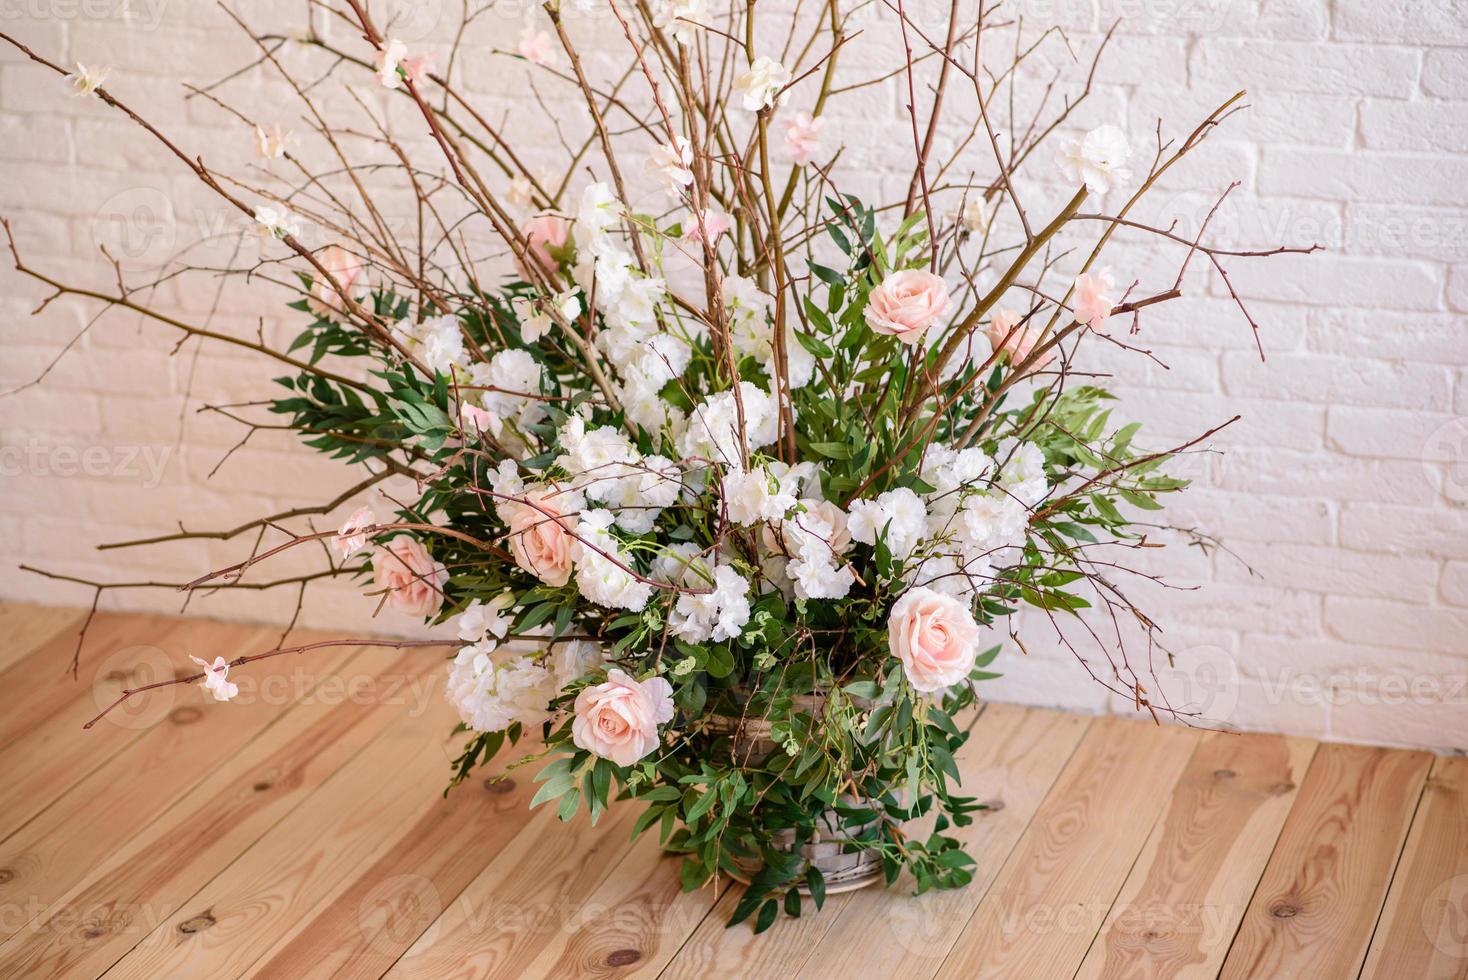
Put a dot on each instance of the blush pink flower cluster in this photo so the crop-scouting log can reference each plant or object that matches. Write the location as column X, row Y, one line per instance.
column 545, row 234
column 935, row 637
column 411, row 578
column 1006, row 335
column 619, row 720
column 906, row 304
column 345, row 269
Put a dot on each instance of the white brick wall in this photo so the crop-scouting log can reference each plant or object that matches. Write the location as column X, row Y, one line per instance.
column 1344, row 488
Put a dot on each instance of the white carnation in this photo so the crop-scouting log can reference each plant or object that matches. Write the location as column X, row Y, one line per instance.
column 491, row 696
column 481, row 619
column 716, row 615
column 602, row 571
column 713, row 430
column 1022, row 471
column 900, row 512
column 757, row 496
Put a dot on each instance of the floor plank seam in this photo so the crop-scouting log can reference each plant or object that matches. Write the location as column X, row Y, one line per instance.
column 1396, row 866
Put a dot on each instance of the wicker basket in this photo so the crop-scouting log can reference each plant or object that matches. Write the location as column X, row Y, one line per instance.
column 842, row 870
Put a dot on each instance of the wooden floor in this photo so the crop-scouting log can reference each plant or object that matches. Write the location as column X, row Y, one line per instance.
column 301, row 832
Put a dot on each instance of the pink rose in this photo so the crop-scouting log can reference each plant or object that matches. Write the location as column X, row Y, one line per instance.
column 1093, row 300
column 544, row 233
column 619, row 720
column 1007, row 335
column 906, row 304
column 412, row 579
column 540, row 539
column 935, row 637
column 343, row 267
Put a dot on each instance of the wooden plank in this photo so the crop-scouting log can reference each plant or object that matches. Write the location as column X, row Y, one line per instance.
column 392, row 903
column 1181, row 905
column 538, row 886
column 1423, row 930
column 1321, row 892
column 631, row 925
column 118, row 648
column 98, row 815
column 1012, row 759
column 300, row 865
column 1054, row 892
column 43, row 762
column 150, row 877
column 25, row 627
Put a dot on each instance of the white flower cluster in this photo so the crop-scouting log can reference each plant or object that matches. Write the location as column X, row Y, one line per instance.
column 714, row 433
column 437, row 340
column 753, row 332
column 605, row 466
column 603, row 568
column 508, row 385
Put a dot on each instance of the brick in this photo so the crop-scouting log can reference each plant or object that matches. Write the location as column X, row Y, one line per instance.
column 1333, row 69
column 1342, row 175
column 1441, row 532
column 1453, row 586
column 1431, row 338
column 1406, row 22
column 1445, row 72
column 1383, row 433
column 1396, row 230
column 1336, row 380
column 1296, row 474
column 1415, row 125
column 1398, row 624
column 1333, row 571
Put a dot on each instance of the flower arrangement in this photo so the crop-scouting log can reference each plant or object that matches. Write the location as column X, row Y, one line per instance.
column 726, row 483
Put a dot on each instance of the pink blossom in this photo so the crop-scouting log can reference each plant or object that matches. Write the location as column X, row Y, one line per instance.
column 345, row 269
column 351, row 537
column 536, row 48
column 417, row 68
column 715, row 223
column 216, row 678
column 411, row 578
column 545, row 234
column 1093, row 299
column 1005, row 334
column 803, row 136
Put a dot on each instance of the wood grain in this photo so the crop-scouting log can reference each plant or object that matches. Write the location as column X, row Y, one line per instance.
column 1053, row 893
column 1423, row 932
column 1321, row 892
column 534, row 890
column 395, row 900
column 25, row 626
column 53, row 753
column 631, row 925
column 1182, row 902
column 300, row 832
